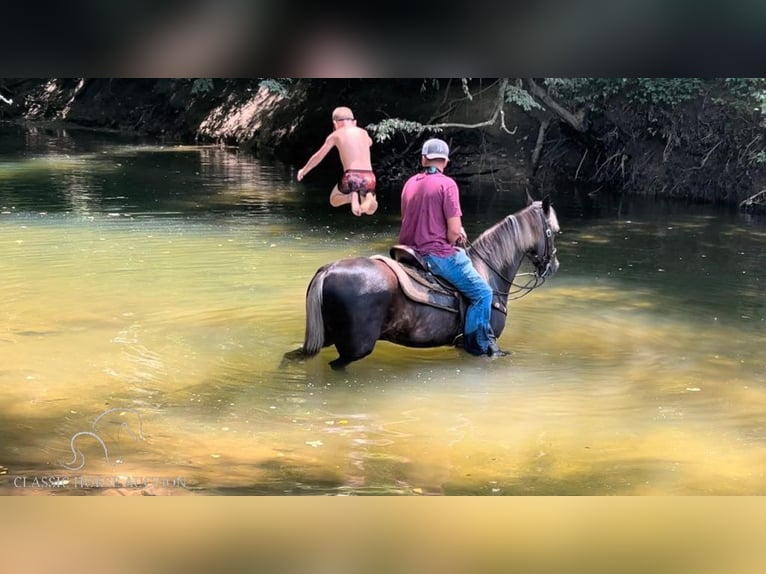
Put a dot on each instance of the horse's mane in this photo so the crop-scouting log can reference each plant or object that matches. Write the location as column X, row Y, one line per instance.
column 513, row 235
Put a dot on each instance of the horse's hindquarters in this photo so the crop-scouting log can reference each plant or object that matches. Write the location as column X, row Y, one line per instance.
column 353, row 303
column 356, row 303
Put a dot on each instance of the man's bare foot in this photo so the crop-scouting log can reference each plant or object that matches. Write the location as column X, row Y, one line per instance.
column 370, row 204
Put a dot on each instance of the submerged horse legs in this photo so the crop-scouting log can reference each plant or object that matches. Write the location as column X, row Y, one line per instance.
column 352, row 349
column 338, row 364
column 291, row 356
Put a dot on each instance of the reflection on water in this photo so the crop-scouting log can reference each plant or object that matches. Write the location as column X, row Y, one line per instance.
column 170, row 280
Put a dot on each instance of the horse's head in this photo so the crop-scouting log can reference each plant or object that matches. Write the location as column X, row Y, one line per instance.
column 528, row 233
column 543, row 253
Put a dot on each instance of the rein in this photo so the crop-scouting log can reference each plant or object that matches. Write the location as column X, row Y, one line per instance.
column 515, row 291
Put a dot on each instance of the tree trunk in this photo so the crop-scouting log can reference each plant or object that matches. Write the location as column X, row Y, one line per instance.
column 544, row 123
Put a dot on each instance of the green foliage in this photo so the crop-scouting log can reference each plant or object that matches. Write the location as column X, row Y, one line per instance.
column 201, row 86
column 664, row 91
column 658, row 93
column 746, row 87
column 748, row 93
column 517, row 95
column 653, row 104
column 383, row 130
column 278, row 86
column 588, row 92
column 654, row 92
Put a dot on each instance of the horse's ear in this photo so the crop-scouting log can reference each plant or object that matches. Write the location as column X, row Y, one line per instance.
column 547, row 205
column 529, row 198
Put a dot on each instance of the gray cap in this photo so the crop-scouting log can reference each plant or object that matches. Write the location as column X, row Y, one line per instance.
column 436, row 148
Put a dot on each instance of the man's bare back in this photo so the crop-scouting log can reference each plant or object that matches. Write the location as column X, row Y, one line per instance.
column 353, row 145
column 357, row 186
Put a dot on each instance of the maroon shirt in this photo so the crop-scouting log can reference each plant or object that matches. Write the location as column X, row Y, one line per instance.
column 428, row 199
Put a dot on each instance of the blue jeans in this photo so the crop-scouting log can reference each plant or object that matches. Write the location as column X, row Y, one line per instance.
column 459, row 270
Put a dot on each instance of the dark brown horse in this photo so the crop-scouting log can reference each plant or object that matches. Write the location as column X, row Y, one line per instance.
column 352, row 303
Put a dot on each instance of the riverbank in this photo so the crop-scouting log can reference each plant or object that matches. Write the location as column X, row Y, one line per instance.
column 697, row 149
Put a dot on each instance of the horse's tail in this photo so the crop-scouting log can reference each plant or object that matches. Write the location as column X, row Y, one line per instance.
column 314, row 339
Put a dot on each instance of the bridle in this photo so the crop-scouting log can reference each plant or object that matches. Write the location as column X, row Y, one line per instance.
column 542, row 265
column 544, row 262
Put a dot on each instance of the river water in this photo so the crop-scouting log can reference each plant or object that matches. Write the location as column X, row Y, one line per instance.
column 148, row 293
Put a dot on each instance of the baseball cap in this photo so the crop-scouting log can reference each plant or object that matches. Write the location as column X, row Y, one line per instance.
column 436, row 148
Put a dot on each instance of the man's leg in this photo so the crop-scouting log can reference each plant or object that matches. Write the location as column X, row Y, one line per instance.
column 458, row 270
column 337, row 198
column 477, row 315
column 356, row 208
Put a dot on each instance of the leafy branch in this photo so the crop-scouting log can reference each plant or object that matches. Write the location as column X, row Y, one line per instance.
column 383, row 130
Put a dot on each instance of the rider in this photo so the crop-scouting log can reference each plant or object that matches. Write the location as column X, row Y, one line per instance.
column 357, row 185
column 431, row 225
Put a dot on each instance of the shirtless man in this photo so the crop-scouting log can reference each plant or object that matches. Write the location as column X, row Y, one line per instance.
column 357, row 185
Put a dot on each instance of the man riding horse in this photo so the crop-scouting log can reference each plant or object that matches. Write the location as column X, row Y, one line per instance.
column 431, row 225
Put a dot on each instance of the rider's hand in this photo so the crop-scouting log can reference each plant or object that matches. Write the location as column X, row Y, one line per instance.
column 301, row 173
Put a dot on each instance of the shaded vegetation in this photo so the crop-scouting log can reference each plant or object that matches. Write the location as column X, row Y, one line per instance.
column 684, row 137
column 693, row 138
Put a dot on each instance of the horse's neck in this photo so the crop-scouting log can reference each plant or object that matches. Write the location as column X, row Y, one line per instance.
column 501, row 277
column 509, row 271
column 509, row 246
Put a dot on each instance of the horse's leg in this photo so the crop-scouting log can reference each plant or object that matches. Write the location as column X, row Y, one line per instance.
column 339, row 364
column 290, row 356
column 354, row 347
column 356, row 310
column 355, row 334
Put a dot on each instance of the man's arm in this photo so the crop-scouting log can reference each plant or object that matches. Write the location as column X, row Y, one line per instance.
column 455, row 231
column 320, row 154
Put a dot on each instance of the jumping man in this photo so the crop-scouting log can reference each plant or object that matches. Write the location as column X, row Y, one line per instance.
column 357, row 185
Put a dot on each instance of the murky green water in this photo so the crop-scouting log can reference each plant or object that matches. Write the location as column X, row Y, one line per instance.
column 166, row 282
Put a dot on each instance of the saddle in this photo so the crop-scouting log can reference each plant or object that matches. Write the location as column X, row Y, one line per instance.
column 419, row 284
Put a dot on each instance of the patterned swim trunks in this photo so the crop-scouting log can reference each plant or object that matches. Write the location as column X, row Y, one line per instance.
column 360, row 180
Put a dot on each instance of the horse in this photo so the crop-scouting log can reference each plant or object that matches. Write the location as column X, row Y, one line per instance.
column 354, row 302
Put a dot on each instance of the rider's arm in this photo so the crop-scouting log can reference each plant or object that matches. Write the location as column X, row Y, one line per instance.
column 455, row 231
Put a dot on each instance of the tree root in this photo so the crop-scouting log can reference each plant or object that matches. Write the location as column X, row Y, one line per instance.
column 754, row 202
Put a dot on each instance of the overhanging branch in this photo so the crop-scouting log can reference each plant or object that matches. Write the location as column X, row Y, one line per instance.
column 490, row 122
